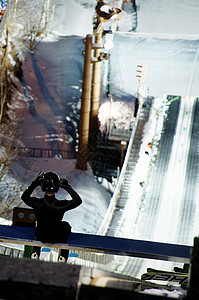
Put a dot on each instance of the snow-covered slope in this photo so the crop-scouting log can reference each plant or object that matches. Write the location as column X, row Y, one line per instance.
column 168, row 16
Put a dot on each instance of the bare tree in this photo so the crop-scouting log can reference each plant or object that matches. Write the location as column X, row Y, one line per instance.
column 12, row 178
column 9, row 61
column 4, row 80
column 36, row 19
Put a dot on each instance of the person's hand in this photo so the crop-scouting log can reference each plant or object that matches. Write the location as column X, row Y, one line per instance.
column 63, row 183
column 39, row 178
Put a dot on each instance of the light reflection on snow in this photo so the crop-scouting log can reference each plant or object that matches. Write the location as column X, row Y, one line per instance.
column 116, row 114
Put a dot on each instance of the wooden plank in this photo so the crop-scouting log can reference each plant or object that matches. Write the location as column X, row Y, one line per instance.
column 102, row 244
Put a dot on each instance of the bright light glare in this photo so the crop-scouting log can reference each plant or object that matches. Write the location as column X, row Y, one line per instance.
column 108, row 110
column 108, row 45
column 116, row 112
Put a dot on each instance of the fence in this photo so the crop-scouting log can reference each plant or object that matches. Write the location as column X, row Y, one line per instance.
column 48, row 153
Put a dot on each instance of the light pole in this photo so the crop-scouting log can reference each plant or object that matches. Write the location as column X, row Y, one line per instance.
column 82, row 155
column 96, row 85
column 90, row 105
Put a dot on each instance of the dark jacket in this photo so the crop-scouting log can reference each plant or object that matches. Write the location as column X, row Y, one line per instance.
column 49, row 211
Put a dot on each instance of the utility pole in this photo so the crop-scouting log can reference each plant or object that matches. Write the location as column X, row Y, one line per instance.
column 96, row 85
column 90, row 101
column 82, row 155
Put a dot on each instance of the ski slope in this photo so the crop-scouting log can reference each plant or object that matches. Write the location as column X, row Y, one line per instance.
column 166, row 44
column 168, row 207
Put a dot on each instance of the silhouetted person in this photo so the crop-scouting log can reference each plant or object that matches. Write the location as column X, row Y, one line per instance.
column 49, row 211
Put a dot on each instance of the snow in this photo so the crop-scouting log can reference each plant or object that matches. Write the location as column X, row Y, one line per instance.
column 176, row 294
column 168, row 17
column 73, row 18
column 5, row 222
column 165, row 42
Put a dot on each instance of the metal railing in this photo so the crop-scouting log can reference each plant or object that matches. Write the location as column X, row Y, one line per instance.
column 11, row 251
column 45, row 153
column 107, row 219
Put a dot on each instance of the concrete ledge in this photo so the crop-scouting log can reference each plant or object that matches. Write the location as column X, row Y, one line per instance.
column 28, row 279
column 38, row 272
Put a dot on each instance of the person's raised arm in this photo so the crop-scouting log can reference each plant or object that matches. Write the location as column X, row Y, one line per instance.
column 76, row 199
column 27, row 193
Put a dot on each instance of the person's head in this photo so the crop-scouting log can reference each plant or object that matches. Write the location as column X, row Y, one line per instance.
column 50, row 183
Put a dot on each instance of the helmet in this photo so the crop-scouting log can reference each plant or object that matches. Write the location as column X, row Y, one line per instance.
column 50, row 183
